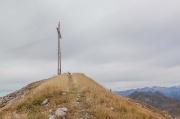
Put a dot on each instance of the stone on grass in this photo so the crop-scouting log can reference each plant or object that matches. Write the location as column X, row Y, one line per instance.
column 45, row 102
column 50, row 110
column 51, row 117
column 112, row 108
column 61, row 111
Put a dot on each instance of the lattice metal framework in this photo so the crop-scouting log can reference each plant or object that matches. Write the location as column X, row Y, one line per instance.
column 59, row 49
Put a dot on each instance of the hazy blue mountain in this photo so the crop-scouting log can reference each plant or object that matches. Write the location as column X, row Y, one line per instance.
column 175, row 96
column 173, row 92
column 159, row 101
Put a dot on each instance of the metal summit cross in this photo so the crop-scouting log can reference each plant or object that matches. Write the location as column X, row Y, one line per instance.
column 59, row 50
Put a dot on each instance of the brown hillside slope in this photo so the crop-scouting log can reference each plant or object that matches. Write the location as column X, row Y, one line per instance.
column 84, row 99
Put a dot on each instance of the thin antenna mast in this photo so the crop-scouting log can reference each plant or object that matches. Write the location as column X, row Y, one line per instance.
column 59, row 50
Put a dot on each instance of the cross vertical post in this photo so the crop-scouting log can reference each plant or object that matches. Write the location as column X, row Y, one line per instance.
column 59, row 50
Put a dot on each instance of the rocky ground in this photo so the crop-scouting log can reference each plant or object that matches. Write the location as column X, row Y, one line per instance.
column 10, row 98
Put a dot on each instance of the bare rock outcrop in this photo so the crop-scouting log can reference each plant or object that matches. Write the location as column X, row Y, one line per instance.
column 60, row 112
column 9, row 99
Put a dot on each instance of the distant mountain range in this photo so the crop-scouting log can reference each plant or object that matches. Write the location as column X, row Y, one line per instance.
column 173, row 92
column 158, row 101
column 163, row 98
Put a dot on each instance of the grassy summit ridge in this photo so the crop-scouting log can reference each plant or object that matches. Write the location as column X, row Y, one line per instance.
column 84, row 99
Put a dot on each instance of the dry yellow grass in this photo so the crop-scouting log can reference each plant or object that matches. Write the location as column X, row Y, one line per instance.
column 108, row 105
column 84, row 98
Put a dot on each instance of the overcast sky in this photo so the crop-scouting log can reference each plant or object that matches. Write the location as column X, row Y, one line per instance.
column 121, row 44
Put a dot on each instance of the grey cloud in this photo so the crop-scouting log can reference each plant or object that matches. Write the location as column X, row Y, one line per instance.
column 123, row 42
